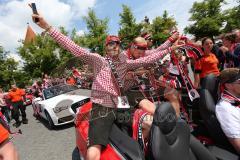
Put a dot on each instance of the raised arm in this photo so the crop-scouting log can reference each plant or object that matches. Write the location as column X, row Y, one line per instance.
column 150, row 59
column 67, row 43
column 165, row 45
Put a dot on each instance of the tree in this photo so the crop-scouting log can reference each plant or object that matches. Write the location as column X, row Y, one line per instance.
column 8, row 67
column 160, row 28
column 97, row 33
column 231, row 18
column 207, row 18
column 129, row 29
column 43, row 56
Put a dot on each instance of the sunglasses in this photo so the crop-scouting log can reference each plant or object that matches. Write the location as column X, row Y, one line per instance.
column 139, row 48
column 113, row 43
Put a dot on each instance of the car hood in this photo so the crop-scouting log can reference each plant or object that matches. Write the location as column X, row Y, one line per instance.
column 67, row 98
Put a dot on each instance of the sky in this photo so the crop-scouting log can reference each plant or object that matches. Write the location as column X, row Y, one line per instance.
column 16, row 14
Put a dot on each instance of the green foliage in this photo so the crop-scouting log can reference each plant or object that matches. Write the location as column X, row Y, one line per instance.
column 207, row 18
column 160, row 28
column 231, row 17
column 8, row 67
column 43, row 56
column 129, row 29
column 97, row 33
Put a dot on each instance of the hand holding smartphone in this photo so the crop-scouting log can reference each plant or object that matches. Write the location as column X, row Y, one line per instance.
column 34, row 10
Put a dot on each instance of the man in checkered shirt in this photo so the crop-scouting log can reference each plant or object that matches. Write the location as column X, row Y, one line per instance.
column 105, row 90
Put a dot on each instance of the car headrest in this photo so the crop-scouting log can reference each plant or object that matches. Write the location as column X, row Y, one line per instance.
column 206, row 101
column 210, row 82
column 165, row 117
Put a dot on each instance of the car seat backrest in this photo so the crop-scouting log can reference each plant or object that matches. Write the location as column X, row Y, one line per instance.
column 125, row 145
column 207, row 105
column 211, row 83
column 169, row 138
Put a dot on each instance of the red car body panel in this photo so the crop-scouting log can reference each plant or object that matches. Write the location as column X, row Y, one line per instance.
column 82, row 126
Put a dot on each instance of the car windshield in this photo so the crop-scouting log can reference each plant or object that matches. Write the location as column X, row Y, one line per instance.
column 57, row 90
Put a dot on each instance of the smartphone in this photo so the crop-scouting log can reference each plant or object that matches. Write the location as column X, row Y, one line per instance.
column 34, row 10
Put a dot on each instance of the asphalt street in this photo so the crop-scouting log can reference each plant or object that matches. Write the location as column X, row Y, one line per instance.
column 37, row 142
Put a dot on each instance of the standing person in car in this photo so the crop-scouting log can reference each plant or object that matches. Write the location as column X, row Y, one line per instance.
column 228, row 107
column 16, row 97
column 106, row 91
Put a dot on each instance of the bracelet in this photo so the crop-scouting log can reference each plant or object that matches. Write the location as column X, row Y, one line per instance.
column 48, row 28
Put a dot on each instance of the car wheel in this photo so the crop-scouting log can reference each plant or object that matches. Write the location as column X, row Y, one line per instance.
column 50, row 122
column 76, row 154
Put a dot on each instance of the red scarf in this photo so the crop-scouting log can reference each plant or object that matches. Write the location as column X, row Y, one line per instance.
column 227, row 96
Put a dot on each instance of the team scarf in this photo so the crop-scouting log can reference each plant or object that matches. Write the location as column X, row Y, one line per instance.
column 192, row 92
column 154, row 86
column 227, row 96
column 142, row 85
column 192, row 51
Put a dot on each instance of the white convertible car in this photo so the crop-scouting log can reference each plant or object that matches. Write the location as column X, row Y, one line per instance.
column 58, row 104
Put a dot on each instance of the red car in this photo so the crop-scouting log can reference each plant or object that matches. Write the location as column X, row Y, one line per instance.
column 168, row 136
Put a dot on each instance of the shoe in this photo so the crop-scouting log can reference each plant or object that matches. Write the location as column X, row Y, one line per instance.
column 25, row 121
column 17, row 124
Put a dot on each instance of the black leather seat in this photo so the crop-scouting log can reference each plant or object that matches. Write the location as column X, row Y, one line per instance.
column 170, row 138
column 208, row 99
column 127, row 147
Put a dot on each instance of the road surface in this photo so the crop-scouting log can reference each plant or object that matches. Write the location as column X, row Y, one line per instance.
column 39, row 143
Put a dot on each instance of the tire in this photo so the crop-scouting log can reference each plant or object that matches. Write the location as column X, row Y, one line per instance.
column 76, row 155
column 50, row 122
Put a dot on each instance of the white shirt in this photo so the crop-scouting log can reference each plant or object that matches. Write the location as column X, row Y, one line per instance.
column 229, row 118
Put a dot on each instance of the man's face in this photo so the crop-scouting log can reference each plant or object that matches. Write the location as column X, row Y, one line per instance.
column 137, row 51
column 149, row 42
column 238, row 36
column 113, row 48
column 226, row 42
column 14, row 87
column 234, row 87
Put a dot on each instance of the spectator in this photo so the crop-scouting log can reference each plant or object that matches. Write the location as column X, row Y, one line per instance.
column 77, row 75
column 71, row 81
column 15, row 95
column 148, row 38
column 228, row 107
column 3, row 106
column 46, row 81
column 237, row 33
column 208, row 64
column 231, row 50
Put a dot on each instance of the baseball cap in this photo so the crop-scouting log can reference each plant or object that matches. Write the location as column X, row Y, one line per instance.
column 112, row 38
column 229, row 75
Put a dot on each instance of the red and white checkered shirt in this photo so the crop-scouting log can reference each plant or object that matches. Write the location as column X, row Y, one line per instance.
column 105, row 90
column 132, row 82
